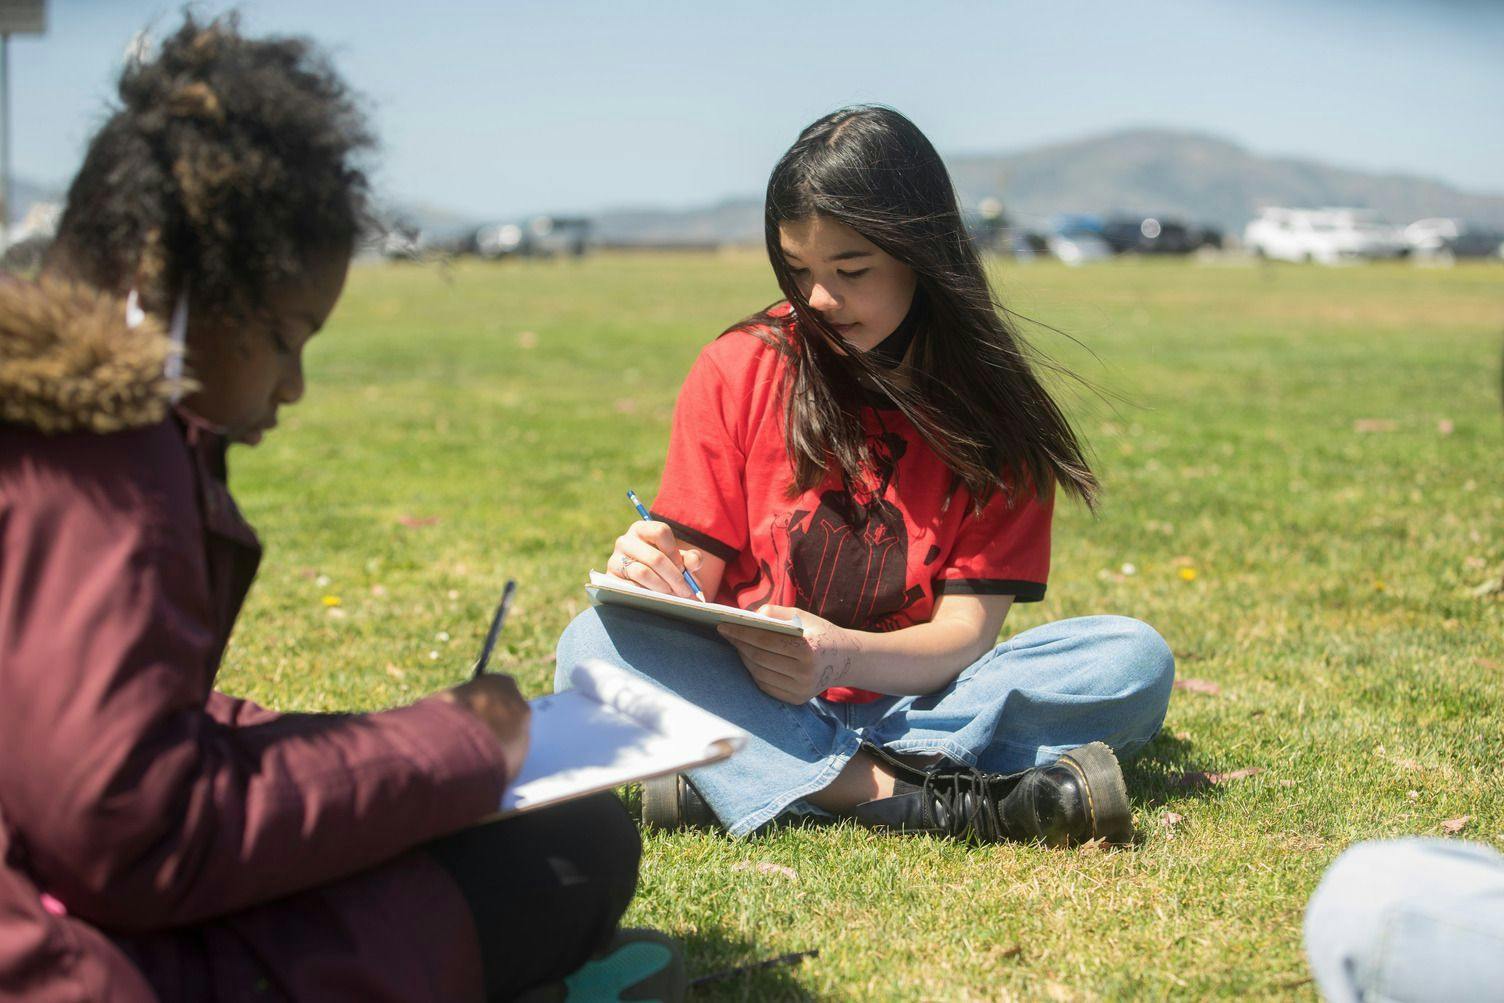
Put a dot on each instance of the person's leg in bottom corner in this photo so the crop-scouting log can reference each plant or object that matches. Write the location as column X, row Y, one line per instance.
column 545, row 889
column 1408, row 920
column 792, row 751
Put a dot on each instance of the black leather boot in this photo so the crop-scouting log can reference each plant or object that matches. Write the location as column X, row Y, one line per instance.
column 1079, row 797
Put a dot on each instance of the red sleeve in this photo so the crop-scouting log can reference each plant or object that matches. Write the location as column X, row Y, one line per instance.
column 143, row 801
column 1001, row 551
column 703, row 494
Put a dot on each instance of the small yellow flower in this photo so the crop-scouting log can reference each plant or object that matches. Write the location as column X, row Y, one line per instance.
column 1380, row 587
column 1188, row 574
column 331, row 600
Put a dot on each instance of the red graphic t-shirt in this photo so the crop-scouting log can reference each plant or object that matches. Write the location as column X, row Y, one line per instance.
column 872, row 560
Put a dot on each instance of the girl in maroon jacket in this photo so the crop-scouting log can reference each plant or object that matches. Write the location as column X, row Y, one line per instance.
column 161, row 839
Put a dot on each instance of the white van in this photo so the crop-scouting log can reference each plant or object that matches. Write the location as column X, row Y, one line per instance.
column 1327, row 236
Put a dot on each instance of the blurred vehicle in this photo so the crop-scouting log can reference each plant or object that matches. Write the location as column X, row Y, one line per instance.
column 990, row 227
column 401, row 242
column 497, row 240
column 1327, row 236
column 1070, row 223
column 1150, row 235
column 39, row 223
column 1025, row 245
column 1441, row 239
column 1078, row 248
column 1477, row 243
column 1429, row 237
column 1209, row 237
column 1076, row 239
column 23, row 245
column 538, row 237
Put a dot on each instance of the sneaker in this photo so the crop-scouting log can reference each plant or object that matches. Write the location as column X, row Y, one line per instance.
column 638, row 965
column 1077, row 798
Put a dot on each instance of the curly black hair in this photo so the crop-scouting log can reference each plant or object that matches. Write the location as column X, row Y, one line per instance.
column 229, row 161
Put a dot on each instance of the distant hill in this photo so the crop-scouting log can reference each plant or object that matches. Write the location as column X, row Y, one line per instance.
column 734, row 221
column 1197, row 177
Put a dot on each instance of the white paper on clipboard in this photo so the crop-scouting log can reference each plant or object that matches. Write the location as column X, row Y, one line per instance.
column 612, row 728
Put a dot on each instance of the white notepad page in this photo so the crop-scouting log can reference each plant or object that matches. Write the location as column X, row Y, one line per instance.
column 609, row 729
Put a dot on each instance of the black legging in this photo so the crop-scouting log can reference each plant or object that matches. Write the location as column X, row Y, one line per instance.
column 545, row 889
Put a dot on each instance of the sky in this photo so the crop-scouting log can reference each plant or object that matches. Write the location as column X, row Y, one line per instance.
column 509, row 107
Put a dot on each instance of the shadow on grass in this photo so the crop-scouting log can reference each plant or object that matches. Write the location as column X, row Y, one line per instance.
column 1164, row 771
column 724, row 966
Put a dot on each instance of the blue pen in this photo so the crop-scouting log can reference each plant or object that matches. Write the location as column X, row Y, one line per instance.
column 689, row 579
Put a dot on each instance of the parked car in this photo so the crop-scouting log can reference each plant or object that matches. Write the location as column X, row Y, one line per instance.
column 1327, row 236
column 1022, row 245
column 1429, row 237
column 537, row 237
column 1069, row 223
column 1149, row 235
column 1209, row 236
column 1076, row 239
column 1477, row 243
column 401, row 242
column 498, row 240
column 1077, row 248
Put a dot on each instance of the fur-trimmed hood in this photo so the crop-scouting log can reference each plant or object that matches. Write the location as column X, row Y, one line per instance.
column 69, row 362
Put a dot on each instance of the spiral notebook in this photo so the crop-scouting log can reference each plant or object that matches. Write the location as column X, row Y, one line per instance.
column 612, row 728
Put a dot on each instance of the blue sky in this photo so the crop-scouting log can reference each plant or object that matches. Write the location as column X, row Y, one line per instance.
column 517, row 106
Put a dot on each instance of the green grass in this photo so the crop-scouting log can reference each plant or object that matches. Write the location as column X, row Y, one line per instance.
column 1332, row 600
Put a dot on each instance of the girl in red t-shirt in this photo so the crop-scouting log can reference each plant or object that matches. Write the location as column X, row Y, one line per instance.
column 876, row 456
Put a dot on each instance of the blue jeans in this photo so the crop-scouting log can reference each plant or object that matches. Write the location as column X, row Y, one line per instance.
column 1039, row 694
column 1408, row 920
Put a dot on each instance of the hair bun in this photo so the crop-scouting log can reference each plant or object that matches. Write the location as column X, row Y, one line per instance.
column 169, row 79
column 195, row 100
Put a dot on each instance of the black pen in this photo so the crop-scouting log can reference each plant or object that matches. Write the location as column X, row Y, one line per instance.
column 495, row 631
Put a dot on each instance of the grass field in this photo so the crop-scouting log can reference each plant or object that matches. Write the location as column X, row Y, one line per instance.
column 1305, row 495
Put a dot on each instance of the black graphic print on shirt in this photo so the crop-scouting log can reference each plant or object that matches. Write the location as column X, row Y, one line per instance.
column 848, row 559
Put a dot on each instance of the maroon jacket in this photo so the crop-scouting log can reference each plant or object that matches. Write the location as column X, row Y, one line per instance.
column 160, row 839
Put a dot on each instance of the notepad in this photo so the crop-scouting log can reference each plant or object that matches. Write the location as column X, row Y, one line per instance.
column 612, row 728
column 613, row 591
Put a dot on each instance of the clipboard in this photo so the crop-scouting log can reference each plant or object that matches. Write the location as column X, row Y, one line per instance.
column 611, row 728
column 609, row 590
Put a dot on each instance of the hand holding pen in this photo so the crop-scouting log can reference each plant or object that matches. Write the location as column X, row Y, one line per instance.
column 647, row 554
column 494, row 699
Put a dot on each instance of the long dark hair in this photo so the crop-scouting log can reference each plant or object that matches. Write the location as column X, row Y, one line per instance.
column 971, row 392
column 227, row 163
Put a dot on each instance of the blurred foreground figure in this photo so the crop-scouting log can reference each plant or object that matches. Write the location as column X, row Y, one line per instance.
column 162, row 840
column 1409, row 920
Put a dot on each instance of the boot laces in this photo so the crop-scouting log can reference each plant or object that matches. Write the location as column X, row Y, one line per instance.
column 964, row 801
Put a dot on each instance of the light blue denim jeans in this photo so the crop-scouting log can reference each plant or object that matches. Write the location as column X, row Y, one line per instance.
column 1408, row 920
column 1040, row 693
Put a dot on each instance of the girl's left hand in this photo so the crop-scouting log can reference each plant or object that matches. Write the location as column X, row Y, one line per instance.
column 795, row 669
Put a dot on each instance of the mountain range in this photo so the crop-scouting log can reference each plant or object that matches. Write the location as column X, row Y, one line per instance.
column 1196, row 177
column 1199, row 178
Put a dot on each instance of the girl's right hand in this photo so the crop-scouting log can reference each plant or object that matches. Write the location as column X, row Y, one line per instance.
column 499, row 705
column 649, row 555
